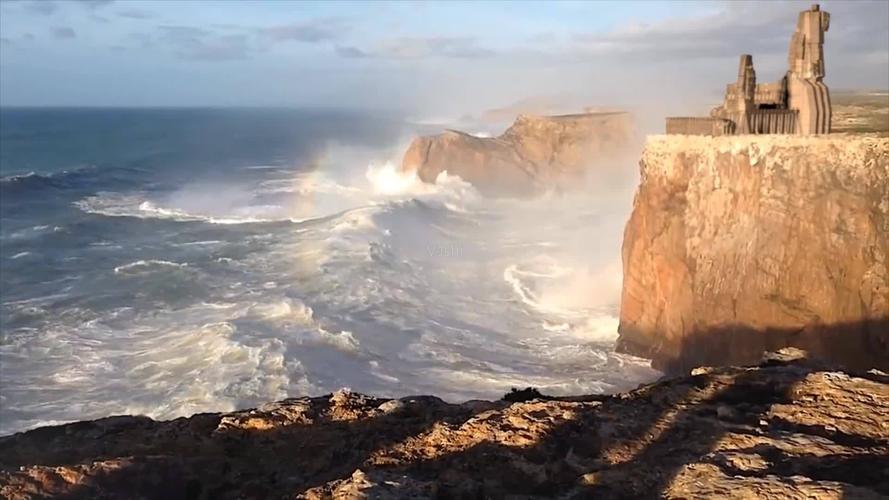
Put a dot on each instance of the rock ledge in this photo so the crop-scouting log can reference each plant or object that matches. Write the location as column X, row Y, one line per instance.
column 782, row 429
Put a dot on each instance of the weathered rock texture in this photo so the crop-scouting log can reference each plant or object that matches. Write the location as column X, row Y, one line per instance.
column 782, row 430
column 535, row 153
column 741, row 244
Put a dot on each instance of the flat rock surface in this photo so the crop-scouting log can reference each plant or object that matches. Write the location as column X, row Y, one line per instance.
column 780, row 430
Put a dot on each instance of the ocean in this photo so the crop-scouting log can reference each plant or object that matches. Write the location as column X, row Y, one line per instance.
column 171, row 261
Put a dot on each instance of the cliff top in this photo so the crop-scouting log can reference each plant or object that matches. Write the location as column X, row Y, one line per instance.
column 571, row 116
column 782, row 429
column 702, row 141
column 862, row 154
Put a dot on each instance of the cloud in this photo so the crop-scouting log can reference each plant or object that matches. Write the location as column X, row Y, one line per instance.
column 6, row 42
column 203, row 45
column 722, row 33
column 308, row 32
column 181, row 33
column 223, row 48
column 737, row 27
column 419, row 48
column 350, row 52
column 136, row 14
column 144, row 40
column 63, row 33
column 94, row 4
column 49, row 7
column 43, row 7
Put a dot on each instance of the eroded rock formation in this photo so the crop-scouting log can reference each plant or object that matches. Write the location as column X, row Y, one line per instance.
column 782, row 430
column 742, row 244
column 535, row 153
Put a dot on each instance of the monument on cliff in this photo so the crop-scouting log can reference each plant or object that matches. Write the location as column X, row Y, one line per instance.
column 798, row 103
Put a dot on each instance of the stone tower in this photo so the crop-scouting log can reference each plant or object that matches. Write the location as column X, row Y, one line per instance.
column 798, row 103
column 807, row 92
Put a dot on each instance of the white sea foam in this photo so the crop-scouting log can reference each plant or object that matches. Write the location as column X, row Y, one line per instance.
column 134, row 205
column 382, row 283
column 142, row 265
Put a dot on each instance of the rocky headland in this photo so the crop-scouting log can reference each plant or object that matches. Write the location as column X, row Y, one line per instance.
column 742, row 244
column 736, row 246
column 785, row 428
column 534, row 154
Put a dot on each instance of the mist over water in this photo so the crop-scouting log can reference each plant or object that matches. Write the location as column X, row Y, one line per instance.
column 164, row 262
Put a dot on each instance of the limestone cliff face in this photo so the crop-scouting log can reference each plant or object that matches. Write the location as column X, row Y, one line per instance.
column 536, row 152
column 741, row 244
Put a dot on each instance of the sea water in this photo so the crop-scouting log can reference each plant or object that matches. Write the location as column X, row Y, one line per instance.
column 171, row 261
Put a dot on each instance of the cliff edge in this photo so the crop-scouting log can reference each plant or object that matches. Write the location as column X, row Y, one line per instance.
column 784, row 429
column 742, row 244
column 535, row 153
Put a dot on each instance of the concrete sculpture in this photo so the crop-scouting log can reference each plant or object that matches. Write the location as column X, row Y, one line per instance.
column 799, row 103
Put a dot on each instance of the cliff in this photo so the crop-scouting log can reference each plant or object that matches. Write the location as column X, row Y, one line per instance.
column 535, row 153
column 738, row 245
column 781, row 430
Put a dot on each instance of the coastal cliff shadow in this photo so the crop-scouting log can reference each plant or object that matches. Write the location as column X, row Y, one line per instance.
column 854, row 346
column 202, row 457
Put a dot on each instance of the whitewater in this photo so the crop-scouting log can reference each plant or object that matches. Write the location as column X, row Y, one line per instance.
column 218, row 294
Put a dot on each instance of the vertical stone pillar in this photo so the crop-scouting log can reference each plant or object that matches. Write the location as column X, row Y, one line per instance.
column 807, row 92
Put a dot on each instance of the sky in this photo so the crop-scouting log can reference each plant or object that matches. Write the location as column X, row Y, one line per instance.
column 438, row 57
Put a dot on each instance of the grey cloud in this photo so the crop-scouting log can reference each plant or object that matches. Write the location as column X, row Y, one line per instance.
column 43, row 7
column 350, row 52
column 180, row 34
column 63, row 33
column 420, row 47
column 94, row 4
column 136, row 14
column 739, row 27
column 199, row 44
column 726, row 32
column 308, row 32
column 222, row 48
column 143, row 39
column 6, row 42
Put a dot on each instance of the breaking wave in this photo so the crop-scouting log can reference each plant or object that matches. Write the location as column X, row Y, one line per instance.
column 223, row 295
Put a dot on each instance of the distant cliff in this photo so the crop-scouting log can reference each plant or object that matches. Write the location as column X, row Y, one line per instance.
column 536, row 152
column 741, row 244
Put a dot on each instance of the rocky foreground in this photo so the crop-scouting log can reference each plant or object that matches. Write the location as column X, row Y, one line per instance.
column 784, row 429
